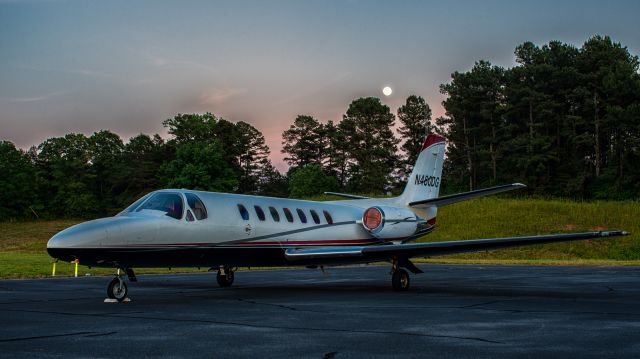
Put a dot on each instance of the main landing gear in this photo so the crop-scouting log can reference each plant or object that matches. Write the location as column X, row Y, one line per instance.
column 225, row 276
column 400, row 280
column 399, row 277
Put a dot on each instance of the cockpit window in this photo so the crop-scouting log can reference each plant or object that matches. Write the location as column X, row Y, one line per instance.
column 199, row 210
column 132, row 207
column 169, row 203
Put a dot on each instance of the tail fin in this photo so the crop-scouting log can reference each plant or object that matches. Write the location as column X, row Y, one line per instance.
column 424, row 181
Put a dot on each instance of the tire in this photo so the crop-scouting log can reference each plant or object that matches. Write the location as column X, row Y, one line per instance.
column 400, row 280
column 117, row 289
column 225, row 280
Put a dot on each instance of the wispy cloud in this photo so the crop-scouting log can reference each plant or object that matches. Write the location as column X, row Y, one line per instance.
column 315, row 89
column 37, row 98
column 78, row 71
column 92, row 73
column 174, row 61
column 216, row 97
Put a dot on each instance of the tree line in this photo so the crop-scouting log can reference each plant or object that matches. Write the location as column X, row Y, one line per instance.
column 564, row 120
column 84, row 177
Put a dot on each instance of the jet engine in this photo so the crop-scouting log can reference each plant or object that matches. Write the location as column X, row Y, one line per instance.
column 386, row 222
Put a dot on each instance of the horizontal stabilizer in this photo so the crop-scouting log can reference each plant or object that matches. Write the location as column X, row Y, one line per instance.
column 345, row 195
column 445, row 200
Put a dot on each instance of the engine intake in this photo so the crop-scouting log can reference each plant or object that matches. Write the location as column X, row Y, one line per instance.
column 386, row 222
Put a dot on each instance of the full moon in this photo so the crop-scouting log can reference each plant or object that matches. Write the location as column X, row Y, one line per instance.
column 387, row 91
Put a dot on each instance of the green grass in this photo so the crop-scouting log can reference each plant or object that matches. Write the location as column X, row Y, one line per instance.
column 495, row 217
column 23, row 252
column 23, row 244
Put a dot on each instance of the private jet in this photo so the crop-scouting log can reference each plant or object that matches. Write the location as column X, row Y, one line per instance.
column 184, row 228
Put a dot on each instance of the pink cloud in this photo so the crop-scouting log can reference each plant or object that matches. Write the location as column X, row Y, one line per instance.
column 215, row 97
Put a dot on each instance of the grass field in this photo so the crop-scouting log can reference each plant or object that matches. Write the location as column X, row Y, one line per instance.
column 23, row 244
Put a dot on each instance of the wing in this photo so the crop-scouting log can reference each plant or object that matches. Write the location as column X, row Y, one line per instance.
column 364, row 254
column 459, row 197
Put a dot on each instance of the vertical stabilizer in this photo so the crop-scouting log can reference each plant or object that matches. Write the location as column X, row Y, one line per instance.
column 424, row 181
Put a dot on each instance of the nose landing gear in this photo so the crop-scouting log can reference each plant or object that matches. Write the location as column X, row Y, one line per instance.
column 117, row 288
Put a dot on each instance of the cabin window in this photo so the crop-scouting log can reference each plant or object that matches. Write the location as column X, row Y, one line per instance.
column 327, row 216
column 259, row 212
column 303, row 217
column 274, row 214
column 169, row 203
column 243, row 212
column 287, row 213
column 315, row 217
column 198, row 208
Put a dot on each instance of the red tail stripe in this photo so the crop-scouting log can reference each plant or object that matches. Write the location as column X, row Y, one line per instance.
column 432, row 139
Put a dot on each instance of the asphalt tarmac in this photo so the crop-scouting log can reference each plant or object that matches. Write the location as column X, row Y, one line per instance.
column 450, row 312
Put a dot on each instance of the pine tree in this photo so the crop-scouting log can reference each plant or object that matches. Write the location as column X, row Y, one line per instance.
column 371, row 144
column 415, row 117
column 304, row 142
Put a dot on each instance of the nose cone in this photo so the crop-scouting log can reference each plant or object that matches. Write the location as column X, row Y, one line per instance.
column 83, row 235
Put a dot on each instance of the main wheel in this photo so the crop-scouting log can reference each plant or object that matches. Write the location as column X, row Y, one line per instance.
column 400, row 280
column 225, row 280
column 117, row 289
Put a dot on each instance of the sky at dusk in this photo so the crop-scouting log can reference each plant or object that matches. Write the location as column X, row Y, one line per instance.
column 125, row 66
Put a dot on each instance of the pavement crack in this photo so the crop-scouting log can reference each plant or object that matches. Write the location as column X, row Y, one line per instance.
column 99, row 334
column 276, row 305
column 267, row 304
column 264, row 326
column 480, row 304
column 48, row 336
column 44, row 300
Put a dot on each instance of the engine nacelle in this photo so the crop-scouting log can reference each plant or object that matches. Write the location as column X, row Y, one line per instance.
column 386, row 222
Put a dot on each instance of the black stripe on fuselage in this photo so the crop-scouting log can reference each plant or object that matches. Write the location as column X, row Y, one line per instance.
column 171, row 257
column 236, row 256
column 285, row 233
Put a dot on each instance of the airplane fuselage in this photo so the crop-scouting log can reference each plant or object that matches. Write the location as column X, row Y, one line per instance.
column 237, row 230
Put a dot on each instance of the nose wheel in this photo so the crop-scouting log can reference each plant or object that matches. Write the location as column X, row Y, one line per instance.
column 225, row 277
column 117, row 289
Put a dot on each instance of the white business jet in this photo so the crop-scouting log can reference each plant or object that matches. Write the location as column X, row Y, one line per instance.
column 184, row 228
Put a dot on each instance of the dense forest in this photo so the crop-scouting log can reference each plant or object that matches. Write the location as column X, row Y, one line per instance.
column 564, row 120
